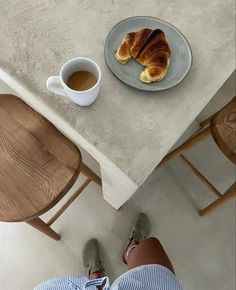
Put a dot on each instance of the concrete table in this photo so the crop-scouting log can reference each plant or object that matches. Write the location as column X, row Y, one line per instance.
column 127, row 131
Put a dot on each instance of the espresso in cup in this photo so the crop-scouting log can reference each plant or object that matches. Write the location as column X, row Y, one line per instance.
column 81, row 80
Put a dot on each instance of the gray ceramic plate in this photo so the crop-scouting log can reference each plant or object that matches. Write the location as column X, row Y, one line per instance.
column 181, row 55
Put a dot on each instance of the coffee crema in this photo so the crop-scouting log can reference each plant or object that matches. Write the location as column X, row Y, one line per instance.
column 81, row 80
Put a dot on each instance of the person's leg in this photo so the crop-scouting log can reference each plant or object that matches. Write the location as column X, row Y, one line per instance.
column 149, row 251
column 142, row 251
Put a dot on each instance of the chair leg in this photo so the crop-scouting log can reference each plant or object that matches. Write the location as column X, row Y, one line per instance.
column 40, row 225
column 208, row 120
column 90, row 174
column 229, row 194
column 201, row 176
column 69, row 202
column 195, row 139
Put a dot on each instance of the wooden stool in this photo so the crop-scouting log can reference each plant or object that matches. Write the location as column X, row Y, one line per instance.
column 222, row 127
column 38, row 166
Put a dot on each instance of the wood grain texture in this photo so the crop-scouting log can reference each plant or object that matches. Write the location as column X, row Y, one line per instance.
column 223, row 130
column 38, row 165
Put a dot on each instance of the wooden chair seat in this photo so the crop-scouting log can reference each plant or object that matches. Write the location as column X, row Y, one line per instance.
column 222, row 127
column 38, row 165
column 223, row 130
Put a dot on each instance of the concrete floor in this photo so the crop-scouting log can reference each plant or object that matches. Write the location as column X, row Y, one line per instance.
column 202, row 249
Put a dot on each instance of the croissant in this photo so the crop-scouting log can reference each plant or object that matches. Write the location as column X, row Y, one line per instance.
column 149, row 48
column 132, row 44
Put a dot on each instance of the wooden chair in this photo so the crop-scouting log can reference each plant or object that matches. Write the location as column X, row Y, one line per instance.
column 38, row 166
column 222, row 127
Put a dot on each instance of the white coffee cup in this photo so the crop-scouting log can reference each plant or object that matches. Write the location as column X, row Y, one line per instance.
column 57, row 84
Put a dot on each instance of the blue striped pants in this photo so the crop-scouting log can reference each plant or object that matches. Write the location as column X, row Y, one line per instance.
column 147, row 277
